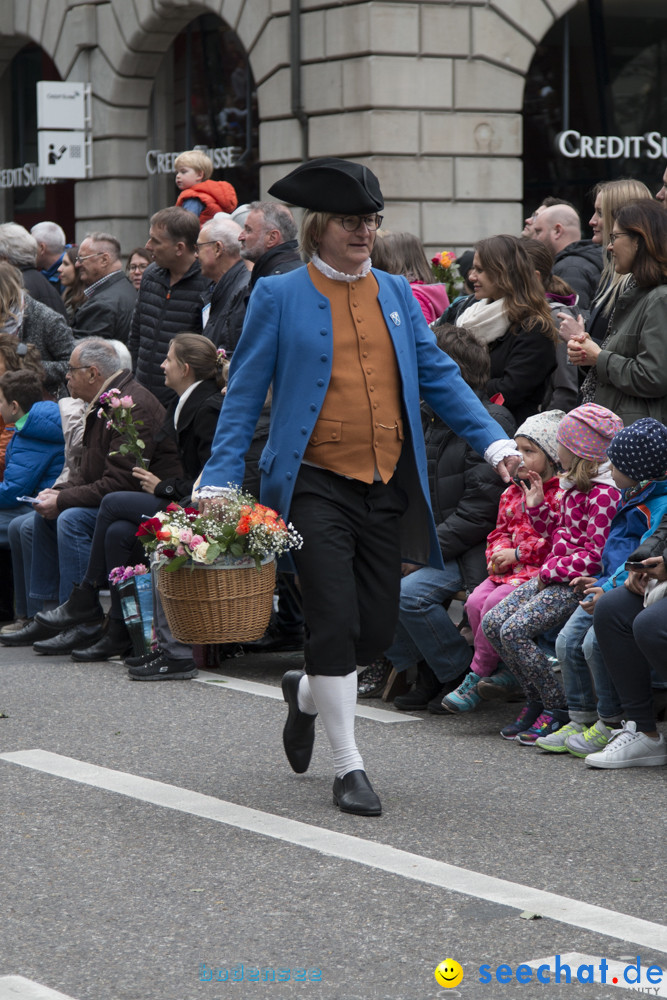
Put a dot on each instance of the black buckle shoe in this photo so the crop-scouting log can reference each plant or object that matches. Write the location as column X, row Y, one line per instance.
column 299, row 731
column 353, row 794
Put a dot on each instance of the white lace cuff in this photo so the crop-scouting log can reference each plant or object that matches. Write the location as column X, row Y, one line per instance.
column 498, row 450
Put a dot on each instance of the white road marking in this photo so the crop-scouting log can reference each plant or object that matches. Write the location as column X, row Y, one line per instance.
column 18, row 988
column 271, row 691
column 614, row 970
column 340, row 845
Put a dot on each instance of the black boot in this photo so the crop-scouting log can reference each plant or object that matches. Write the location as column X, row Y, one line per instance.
column 426, row 688
column 115, row 642
column 81, row 608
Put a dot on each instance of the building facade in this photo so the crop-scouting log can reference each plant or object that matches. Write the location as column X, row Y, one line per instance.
column 431, row 95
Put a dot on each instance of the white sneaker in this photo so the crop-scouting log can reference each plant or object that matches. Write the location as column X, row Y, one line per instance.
column 628, row 748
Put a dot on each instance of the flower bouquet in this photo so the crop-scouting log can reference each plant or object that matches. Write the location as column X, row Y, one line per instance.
column 235, row 543
column 136, row 598
column 446, row 270
column 117, row 411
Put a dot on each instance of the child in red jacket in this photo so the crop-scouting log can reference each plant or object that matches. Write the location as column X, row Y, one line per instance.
column 514, row 553
column 199, row 194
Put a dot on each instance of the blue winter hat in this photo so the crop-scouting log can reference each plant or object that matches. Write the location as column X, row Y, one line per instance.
column 640, row 450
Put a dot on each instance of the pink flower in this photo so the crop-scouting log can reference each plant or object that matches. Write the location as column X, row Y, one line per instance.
column 127, row 402
column 114, row 403
column 101, row 413
column 109, row 424
column 181, row 550
column 195, row 541
column 185, row 535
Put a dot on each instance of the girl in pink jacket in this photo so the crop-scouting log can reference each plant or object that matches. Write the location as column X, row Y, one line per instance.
column 577, row 533
column 515, row 552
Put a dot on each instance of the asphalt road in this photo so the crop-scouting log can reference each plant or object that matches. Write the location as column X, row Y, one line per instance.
column 118, row 889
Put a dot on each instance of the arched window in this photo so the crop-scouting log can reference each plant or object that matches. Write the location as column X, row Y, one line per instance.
column 597, row 84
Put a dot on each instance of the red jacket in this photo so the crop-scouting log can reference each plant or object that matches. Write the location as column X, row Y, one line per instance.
column 215, row 196
column 514, row 528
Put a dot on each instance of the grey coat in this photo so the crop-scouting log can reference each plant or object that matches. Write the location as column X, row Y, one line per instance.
column 632, row 369
column 50, row 334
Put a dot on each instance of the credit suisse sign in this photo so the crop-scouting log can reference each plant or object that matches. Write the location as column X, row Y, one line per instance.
column 573, row 144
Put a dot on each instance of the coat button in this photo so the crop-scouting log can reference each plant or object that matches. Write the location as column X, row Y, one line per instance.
column 288, row 475
column 323, row 333
column 313, row 407
column 324, row 357
column 304, row 430
column 320, row 382
column 321, row 305
column 296, row 454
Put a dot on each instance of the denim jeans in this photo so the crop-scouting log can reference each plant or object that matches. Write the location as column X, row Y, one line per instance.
column 60, row 552
column 20, row 543
column 584, row 672
column 425, row 631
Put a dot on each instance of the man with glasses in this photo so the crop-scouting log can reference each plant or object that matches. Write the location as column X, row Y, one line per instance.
column 169, row 300
column 110, row 295
column 268, row 240
column 220, row 261
column 65, row 515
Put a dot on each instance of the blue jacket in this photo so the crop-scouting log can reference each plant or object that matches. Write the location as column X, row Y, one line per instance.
column 637, row 517
column 35, row 454
column 287, row 341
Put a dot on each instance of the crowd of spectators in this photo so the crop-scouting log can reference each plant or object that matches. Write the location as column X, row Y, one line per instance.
column 560, row 337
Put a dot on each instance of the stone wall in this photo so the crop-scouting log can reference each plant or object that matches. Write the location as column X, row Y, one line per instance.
column 428, row 94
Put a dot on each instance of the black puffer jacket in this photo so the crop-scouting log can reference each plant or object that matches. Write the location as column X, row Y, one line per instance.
column 580, row 266
column 162, row 311
column 465, row 492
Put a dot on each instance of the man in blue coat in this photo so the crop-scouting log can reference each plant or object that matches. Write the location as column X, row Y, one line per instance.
column 348, row 355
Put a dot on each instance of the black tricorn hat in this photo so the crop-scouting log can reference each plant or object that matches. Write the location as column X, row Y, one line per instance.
column 329, row 184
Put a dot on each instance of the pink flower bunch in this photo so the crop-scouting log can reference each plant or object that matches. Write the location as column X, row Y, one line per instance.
column 446, row 270
column 121, row 574
column 117, row 411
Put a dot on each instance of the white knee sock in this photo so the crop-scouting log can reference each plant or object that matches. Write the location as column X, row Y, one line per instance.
column 304, row 697
column 335, row 699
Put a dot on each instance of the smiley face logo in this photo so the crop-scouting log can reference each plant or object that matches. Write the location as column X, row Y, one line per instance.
column 449, row 973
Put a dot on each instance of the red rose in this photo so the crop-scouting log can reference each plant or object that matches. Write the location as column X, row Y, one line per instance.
column 150, row 527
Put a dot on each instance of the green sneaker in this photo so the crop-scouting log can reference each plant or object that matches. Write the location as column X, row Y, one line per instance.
column 555, row 742
column 589, row 741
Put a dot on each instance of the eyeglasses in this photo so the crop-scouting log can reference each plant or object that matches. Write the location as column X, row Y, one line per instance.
column 138, row 267
column 614, row 236
column 351, row 223
column 76, row 368
column 205, row 243
column 78, row 258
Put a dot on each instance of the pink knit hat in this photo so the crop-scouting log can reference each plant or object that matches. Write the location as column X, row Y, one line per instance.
column 588, row 430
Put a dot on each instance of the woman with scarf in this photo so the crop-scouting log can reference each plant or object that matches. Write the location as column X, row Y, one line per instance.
column 509, row 312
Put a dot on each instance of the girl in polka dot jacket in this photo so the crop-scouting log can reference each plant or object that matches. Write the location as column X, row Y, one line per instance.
column 515, row 552
column 578, row 532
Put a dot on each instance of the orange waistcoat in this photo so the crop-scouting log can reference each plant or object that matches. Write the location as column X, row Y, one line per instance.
column 360, row 426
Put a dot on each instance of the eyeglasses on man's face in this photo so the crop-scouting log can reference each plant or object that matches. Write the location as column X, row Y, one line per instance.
column 351, row 223
column 205, row 243
column 76, row 368
column 78, row 259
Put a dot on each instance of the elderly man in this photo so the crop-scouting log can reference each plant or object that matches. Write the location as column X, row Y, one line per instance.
column 110, row 295
column 65, row 516
column 169, row 300
column 51, row 245
column 268, row 240
column 578, row 262
column 220, row 261
column 20, row 248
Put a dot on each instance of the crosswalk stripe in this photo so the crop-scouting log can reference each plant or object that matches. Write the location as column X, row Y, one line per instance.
column 19, row 988
column 271, row 691
column 380, row 856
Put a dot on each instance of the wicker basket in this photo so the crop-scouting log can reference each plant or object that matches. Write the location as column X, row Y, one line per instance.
column 209, row 604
